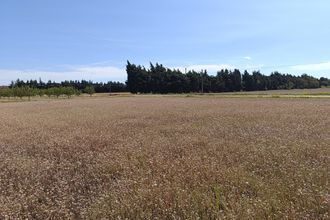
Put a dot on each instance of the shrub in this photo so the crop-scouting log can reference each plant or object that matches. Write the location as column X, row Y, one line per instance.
column 68, row 91
column 41, row 92
column 26, row 91
column 6, row 93
column 89, row 90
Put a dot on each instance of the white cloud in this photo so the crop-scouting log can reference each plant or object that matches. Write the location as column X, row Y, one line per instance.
column 312, row 67
column 95, row 73
column 247, row 58
column 254, row 67
column 211, row 68
column 98, row 73
column 103, row 72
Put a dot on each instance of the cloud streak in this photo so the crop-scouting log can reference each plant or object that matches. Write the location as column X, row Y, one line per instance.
column 99, row 73
column 247, row 58
column 312, row 67
column 211, row 68
column 104, row 73
column 95, row 73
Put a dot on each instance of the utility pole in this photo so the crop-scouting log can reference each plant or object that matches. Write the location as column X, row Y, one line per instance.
column 110, row 88
column 202, row 82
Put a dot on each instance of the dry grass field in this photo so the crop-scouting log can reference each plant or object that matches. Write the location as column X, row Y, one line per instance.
column 150, row 157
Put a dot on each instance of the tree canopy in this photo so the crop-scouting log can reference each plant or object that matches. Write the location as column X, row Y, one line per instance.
column 159, row 79
column 99, row 87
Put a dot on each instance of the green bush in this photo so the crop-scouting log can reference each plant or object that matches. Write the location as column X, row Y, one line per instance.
column 68, row 91
column 26, row 91
column 41, row 92
column 6, row 93
column 89, row 90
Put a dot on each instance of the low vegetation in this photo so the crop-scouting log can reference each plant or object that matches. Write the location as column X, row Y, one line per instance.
column 89, row 90
column 165, row 157
column 26, row 91
column 99, row 87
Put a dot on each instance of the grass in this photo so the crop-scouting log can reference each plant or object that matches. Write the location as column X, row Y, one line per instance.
column 165, row 157
column 296, row 93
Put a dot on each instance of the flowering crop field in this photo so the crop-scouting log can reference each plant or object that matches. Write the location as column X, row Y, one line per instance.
column 154, row 157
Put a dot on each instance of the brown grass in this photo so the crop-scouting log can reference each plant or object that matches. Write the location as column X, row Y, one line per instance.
column 290, row 92
column 165, row 158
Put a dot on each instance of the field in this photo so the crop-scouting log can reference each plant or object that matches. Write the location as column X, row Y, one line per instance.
column 165, row 157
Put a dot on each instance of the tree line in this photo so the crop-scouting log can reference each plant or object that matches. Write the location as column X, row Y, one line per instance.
column 159, row 79
column 57, row 92
column 31, row 88
column 99, row 87
column 27, row 91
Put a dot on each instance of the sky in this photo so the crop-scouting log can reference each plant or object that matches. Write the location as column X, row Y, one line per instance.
column 93, row 39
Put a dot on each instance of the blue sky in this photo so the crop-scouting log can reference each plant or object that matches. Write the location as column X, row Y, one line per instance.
column 85, row 39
